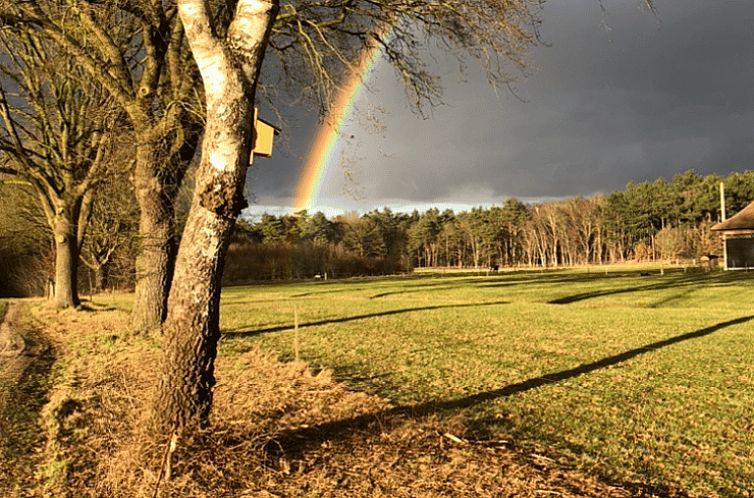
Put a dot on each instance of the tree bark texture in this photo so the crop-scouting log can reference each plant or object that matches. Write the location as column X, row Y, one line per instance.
column 229, row 69
column 66, row 262
column 154, row 262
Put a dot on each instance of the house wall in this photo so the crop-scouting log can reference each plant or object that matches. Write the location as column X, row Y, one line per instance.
column 739, row 252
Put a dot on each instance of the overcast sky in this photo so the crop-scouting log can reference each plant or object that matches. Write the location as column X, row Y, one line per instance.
column 615, row 96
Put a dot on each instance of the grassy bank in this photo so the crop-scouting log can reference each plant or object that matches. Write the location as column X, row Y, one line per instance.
column 637, row 378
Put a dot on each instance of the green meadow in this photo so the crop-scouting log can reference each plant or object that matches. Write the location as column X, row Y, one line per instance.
column 636, row 376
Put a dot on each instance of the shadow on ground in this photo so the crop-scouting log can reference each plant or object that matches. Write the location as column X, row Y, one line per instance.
column 296, row 443
column 280, row 328
column 657, row 282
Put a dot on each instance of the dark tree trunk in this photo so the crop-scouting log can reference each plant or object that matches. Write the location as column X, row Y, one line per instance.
column 154, row 262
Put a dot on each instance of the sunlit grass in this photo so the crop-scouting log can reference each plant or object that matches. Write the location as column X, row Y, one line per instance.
column 509, row 347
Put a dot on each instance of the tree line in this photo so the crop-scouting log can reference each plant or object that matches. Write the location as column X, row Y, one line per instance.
column 646, row 221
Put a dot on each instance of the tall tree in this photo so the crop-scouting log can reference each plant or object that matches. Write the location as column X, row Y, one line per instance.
column 318, row 229
column 423, row 237
column 229, row 61
column 271, row 228
column 513, row 216
column 56, row 134
column 739, row 191
column 391, row 227
column 362, row 235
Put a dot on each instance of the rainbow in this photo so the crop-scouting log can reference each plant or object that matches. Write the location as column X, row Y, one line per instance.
column 320, row 155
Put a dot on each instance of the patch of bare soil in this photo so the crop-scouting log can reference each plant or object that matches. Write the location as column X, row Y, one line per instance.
column 26, row 359
column 278, row 430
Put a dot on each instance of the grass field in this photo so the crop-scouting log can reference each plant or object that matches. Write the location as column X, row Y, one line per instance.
column 638, row 379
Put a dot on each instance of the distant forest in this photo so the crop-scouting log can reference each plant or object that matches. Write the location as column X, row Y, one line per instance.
column 647, row 221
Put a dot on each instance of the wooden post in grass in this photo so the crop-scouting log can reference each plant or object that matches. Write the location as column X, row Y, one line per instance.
column 295, row 333
column 91, row 291
column 722, row 219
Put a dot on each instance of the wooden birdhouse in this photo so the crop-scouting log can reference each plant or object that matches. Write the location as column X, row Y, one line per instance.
column 264, row 135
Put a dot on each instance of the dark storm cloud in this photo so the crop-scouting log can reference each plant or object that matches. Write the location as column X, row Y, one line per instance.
column 618, row 95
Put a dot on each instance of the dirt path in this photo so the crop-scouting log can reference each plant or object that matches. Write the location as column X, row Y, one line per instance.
column 26, row 358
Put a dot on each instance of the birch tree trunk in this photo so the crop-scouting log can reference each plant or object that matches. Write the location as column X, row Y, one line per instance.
column 229, row 67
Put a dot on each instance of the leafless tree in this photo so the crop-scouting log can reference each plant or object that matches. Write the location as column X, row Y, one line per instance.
column 112, row 231
column 56, row 129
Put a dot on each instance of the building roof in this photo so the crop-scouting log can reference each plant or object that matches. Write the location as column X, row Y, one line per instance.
column 743, row 220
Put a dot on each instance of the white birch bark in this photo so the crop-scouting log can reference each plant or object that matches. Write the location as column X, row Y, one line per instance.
column 229, row 67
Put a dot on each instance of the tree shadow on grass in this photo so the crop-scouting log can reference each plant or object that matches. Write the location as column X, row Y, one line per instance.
column 317, row 293
column 299, row 441
column 280, row 328
column 412, row 284
column 543, row 380
column 506, row 280
column 677, row 281
column 409, row 285
column 95, row 308
column 416, row 290
column 465, row 283
column 583, row 296
column 670, row 299
column 672, row 277
column 496, row 281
